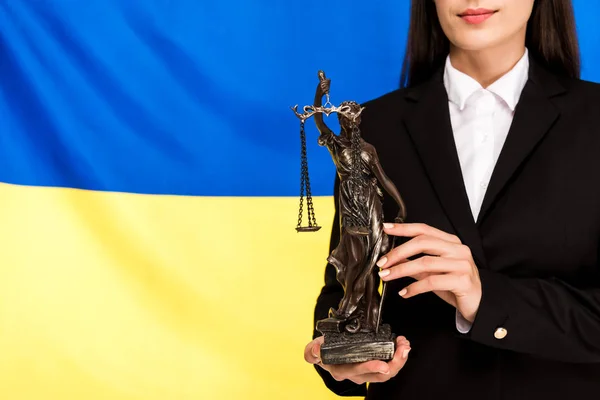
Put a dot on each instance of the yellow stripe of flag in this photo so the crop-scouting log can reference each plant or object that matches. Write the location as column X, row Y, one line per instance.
column 122, row 296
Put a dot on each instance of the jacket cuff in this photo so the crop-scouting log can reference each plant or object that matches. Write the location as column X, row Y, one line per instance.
column 491, row 323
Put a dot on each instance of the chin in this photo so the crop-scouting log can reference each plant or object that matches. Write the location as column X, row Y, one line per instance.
column 476, row 42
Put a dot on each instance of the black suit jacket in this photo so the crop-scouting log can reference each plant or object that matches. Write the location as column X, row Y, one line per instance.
column 536, row 243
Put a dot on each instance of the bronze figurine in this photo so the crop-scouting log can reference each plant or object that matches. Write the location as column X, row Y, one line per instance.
column 352, row 332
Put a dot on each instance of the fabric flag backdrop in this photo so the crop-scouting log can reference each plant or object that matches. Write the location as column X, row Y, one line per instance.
column 150, row 168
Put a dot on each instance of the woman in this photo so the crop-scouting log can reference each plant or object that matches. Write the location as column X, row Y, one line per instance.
column 494, row 144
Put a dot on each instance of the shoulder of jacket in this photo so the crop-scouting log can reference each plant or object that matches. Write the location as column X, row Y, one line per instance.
column 590, row 90
column 388, row 104
column 388, row 99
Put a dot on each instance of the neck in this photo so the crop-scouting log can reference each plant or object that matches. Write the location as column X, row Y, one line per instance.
column 487, row 66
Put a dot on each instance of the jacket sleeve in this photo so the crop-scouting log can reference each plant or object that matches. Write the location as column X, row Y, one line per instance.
column 330, row 296
column 547, row 318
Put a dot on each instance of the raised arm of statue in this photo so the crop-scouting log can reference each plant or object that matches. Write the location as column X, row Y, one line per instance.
column 322, row 90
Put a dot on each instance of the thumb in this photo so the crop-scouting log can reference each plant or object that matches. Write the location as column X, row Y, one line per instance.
column 312, row 351
column 400, row 356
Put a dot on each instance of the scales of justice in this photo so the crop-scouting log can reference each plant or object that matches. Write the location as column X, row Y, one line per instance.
column 353, row 332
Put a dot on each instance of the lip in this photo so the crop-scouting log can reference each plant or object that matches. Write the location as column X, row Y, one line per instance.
column 476, row 16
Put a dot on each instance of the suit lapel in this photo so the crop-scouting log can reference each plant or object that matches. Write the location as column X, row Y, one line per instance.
column 534, row 116
column 429, row 125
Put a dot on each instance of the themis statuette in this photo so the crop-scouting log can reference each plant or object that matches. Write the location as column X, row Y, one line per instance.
column 353, row 332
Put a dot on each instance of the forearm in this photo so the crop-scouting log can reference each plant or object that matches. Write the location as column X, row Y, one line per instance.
column 542, row 317
column 318, row 117
column 393, row 191
column 384, row 180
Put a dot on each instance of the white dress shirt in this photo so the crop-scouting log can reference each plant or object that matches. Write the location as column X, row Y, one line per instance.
column 480, row 121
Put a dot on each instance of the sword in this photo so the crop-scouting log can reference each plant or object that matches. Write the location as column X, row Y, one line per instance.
column 383, row 295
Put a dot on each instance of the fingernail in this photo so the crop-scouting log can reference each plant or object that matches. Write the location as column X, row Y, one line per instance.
column 387, row 225
column 384, row 273
column 405, row 353
column 382, row 262
column 402, row 292
column 384, row 372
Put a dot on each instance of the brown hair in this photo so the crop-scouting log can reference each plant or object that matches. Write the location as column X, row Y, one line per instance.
column 551, row 39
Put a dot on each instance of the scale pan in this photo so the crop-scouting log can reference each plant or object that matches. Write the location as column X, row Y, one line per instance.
column 308, row 228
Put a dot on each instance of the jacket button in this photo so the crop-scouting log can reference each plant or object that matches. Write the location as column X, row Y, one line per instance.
column 500, row 333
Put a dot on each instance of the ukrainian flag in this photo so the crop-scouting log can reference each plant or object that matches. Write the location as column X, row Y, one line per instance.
column 150, row 172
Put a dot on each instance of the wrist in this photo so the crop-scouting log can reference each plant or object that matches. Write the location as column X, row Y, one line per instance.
column 469, row 311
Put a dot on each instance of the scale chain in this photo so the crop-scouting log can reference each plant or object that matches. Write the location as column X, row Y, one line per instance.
column 303, row 163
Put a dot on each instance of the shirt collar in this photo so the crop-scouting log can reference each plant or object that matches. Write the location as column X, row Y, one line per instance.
column 461, row 86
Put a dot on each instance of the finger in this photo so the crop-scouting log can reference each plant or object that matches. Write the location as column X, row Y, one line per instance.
column 416, row 229
column 349, row 371
column 400, row 356
column 422, row 244
column 312, row 351
column 371, row 378
column 422, row 266
column 450, row 282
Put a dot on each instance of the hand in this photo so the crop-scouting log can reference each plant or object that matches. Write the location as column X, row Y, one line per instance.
column 447, row 269
column 325, row 85
column 370, row 371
